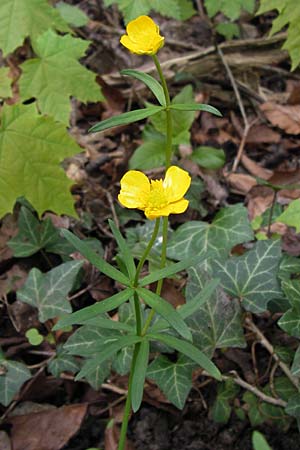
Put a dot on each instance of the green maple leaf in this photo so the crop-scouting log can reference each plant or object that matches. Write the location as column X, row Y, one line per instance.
column 22, row 18
column 5, row 83
column 31, row 150
column 56, row 75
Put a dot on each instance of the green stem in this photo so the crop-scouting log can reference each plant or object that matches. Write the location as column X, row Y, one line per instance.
column 168, row 111
column 122, row 440
column 146, row 252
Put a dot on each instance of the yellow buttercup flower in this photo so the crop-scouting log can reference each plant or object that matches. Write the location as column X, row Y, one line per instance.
column 142, row 36
column 156, row 198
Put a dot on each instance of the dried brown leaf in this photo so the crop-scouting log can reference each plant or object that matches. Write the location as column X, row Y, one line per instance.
column 286, row 117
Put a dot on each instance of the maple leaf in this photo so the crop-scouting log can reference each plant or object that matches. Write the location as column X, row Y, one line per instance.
column 22, row 18
column 31, row 150
column 56, row 74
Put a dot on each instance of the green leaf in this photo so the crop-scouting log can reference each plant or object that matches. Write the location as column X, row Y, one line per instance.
column 195, row 194
column 125, row 250
column 46, row 78
column 31, row 150
column 34, row 235
column 195, row 107
column 181, row 120
column 289, row 15
column 89, row 339
column 94, row 259
column 170, row 270
column 166, row 311
column 13, row 376
column 291, row 216
column 295, row 369
column 62, row 363
column 173, row 378
column 177, row 9
column 259, row 442
column 217, row 322
column 22, row 18
column 252, row 277
column 152, row 153
column 126, row 118
column 154, row 86
column 208, row 157
column 106, row 322
column 34, row 337
column 228, row 30
column 290, row 321
column 108, row 351
column 229, row 228
column 293, row 407
column 139, row 375
column 289, row 265
column 48, row 292
column 5, row 83
column 72, row 15
column 99, row 373
column 188, row 350
column 90, row 312
column 231, row 8
column 221, row 409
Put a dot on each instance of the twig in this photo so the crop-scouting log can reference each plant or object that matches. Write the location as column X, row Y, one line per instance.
column 268, row 346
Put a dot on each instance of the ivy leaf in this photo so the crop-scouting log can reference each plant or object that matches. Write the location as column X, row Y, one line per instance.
column 290, row 321
column 252, row 277
column 98, row 375
column 221, row 409
column 31, row 150
column 48, row 292
column 63, row 363
column 293, row 407
column 291, row 216
column 174, row 379
column 13, row 376
column 229, row 228
column 218, row 321
column 231, row 8
column 56, row 75
column 178, row 9
column 5, row 83
column 295, row 369
column 22, row 18
column 90, row 339
column 289, row 15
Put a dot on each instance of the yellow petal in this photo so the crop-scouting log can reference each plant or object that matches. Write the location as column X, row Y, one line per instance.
column 173, row 208
column 132, row 46
column 176, row 183
column 141, row 26
column 179, row 207
column 135, row 189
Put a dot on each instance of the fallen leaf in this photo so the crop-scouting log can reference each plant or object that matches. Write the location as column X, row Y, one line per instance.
column 7, row 231
column 259, row 199
column 286, row 117
column 12, row 280
column 241, row 183
column 262, row 134
column 255, row 169
column 47, row 430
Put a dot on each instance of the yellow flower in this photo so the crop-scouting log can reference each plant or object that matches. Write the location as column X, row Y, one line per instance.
column 142, row 36
column 156, row 198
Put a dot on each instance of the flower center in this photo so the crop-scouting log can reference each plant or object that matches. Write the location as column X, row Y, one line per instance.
column 157, row 196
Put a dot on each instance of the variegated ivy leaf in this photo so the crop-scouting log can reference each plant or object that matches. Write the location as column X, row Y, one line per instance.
column 296, row 364
column 48, row 292
column 63, row 363
column 22, row 18
column 218, row 322
column 98, row 375
column 290, row 321
column 252, row 278
column 122, row 362
column 55, row 75
column 229, row 228
column 90, row 339
column 12, row 376
column 174, row 379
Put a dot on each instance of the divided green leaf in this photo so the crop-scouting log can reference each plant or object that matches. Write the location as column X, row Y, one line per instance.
column 48, row 292
column 252, row 278
column 55, row 75
column 31, row 150
column 22, row 18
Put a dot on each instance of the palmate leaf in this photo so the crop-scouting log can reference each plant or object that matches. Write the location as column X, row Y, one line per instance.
column 217, row 322
column 13, row 376
column 31, row 150
column 55, row 75
column 48, row 292
column 252, row 278
column 22, row 18
column 178, row 9
column 173, row 378
column 229, row 228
